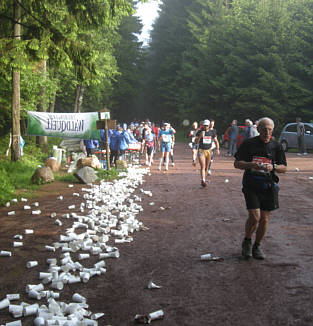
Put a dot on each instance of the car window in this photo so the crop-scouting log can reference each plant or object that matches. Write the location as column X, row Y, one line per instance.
column 291, row 128
column 308, row 128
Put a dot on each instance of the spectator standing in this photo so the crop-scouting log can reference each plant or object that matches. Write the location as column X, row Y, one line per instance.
column 300, row 137
column 254, row 130
column 233, row 137
column 91, row 145
column 248, row 124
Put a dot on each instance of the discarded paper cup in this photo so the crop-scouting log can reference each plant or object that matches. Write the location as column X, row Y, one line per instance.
column 5, row 253
column 159, row 314
column 36, row 287
column 31, row 309
column 36, row 212
column 50, row 248
column 83, row 256
column 78, row 298
column 58, row 285
column 4, row 303
column 11, row 213
column 206, row 257
column 14, row 296
column 31, row 264
column 14, row 323
column 85, row 277
column 16, row 310
column 17, row 244
column 18, row 236
column 34, row 295
column 74, row 279
column 71, row 207
column 60, row 198
column 27, row 207
column 152, row 285
column 39, row 321
column 43, row 275
column 29, row 231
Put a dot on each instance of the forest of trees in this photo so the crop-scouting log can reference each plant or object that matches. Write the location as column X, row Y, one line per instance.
column 231, row 59
column 220, row 59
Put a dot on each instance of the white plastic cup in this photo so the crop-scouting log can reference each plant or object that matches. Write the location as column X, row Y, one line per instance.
column 36, row 212
column 60, row 198
column 74, row 279
column 206, row 257
column 5, row 253
column 18, row 236
column 51, row 261
column 36, row 287
column 36, row 204
column 11, row 213
column 83, row 256
column 31, row 264
column 159, row 314
column 39, row 321
column 71, row 207
column 34, row 295
column 43, row 275
column 78, row 298
column 58, row 285
column 31, row 309
column 4, row 303
column 58, row 222
column 14, row 323
column 24, row 199
column 50, row 248
column 27, row 207
column 53, row 215
column 85, row 277
column 16, row 310
column 29, row 231
column 17, row 244
column 97, row 315
column 13, row 297
column 99, row 264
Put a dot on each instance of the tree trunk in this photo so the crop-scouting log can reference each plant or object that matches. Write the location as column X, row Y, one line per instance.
column 79, row 98
column 42, row 141
column 16, row 129
column 52, row 103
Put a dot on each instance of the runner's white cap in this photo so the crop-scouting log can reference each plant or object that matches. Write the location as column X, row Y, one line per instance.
column 206, row 122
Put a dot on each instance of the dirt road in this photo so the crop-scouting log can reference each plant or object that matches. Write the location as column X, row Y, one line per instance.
column 195, row 221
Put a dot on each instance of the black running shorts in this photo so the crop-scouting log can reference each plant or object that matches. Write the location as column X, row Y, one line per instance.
column 263, row 200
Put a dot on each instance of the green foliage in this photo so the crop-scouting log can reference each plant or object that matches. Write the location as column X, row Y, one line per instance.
column 231, row 60
column 109, row 175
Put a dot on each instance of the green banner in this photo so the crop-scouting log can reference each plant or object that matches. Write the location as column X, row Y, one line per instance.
column 64, row 125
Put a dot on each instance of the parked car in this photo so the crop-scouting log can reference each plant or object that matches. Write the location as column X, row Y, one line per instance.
column 288, row 136
column 239, row 139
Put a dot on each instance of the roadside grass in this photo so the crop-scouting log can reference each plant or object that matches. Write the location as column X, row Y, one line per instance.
column 16, row 176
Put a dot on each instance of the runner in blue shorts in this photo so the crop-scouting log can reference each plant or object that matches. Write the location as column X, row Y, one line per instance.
column 165, row 141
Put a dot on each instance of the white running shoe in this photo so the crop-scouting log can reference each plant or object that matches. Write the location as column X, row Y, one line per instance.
column 160, row 168
column 166, row 168
column 173, row 164
column 305, row 153
column 209, row 172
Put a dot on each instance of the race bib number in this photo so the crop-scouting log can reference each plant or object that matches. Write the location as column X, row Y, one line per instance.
column 207, row 140
column 166, row 138
column 260, row 160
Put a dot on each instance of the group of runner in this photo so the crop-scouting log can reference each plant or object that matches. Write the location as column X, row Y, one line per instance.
column 153, row 138
column 204, row 144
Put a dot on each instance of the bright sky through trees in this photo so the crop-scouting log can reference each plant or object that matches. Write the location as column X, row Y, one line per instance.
column 147, row 12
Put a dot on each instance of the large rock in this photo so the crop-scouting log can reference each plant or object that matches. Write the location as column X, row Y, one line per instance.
column 86, row 175
column 52, row 163
column 42, row 175
column 92, row 161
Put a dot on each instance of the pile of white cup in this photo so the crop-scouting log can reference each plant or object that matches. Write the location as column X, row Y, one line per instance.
column 108, row 213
